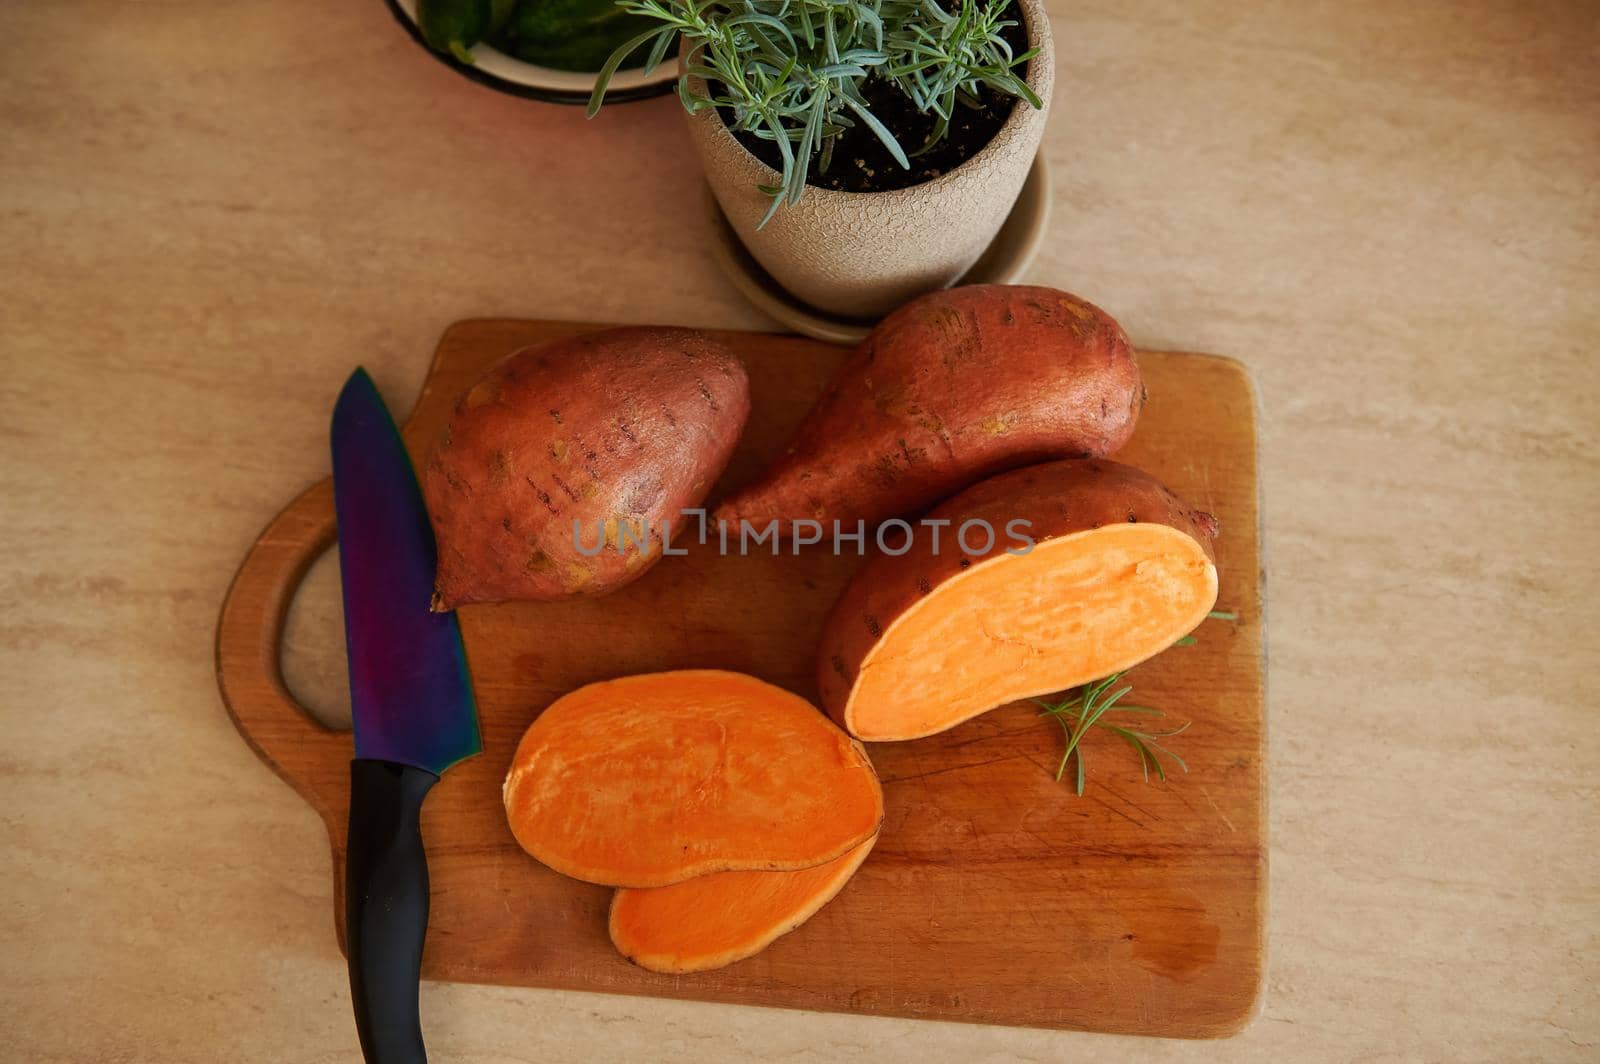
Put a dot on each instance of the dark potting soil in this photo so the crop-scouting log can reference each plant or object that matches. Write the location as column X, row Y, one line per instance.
column 861, row 163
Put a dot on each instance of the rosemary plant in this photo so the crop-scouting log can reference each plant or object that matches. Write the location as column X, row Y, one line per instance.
column 791, row 71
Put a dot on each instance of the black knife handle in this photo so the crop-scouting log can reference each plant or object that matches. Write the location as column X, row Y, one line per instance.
column 386, row 907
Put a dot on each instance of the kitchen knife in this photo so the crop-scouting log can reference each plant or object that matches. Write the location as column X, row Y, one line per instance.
column 413, row 712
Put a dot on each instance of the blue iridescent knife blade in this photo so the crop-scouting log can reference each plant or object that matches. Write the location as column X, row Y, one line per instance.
column 410, row 692
column 411, row 701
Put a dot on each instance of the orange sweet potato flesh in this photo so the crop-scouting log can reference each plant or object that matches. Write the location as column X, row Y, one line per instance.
column 714, row 920
column 618, row 429
column 920, row 642
column 650, row 780
column 948, row 389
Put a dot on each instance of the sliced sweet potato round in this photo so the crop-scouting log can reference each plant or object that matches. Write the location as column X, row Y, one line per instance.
column 649, row 780
column 1119, row 569
column 711, row 921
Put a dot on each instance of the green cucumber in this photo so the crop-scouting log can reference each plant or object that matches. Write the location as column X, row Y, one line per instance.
column 538, row 20
column 576, row 35
column 453, row 26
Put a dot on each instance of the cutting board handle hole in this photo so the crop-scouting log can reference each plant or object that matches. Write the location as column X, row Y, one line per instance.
column 311, row 655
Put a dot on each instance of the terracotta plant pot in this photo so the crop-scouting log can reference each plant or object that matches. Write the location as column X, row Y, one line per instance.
column 860, row 254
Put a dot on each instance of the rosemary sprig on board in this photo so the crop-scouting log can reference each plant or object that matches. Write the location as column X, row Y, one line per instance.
column 1084, row 707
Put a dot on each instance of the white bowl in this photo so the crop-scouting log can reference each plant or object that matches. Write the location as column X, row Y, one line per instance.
column 507, row 74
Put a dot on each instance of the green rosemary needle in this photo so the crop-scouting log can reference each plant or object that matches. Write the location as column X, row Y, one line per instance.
column 1082, row 708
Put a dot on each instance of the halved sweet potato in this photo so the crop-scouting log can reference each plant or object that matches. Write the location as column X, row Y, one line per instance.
column 952, row 387
column 1120, row 569
column 714, row 920
column 650, row 780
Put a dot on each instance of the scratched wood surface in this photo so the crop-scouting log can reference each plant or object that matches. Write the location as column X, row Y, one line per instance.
column 994, row 895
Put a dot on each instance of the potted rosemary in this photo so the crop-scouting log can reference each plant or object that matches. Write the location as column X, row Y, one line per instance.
column 865, row 151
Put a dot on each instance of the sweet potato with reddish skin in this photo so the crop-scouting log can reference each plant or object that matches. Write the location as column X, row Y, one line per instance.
column 948, row 389
column 617, row 430
column 650, row 780
column 711, row 921
column 1120, row 569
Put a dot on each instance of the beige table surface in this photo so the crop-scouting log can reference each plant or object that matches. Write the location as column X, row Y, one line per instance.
column 210, row 211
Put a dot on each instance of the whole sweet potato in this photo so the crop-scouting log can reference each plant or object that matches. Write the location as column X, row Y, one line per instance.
column 946, row 390
column 1041, row 579
column 615, row 431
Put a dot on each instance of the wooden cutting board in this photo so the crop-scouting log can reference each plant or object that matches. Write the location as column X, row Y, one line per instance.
column 994, row 895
